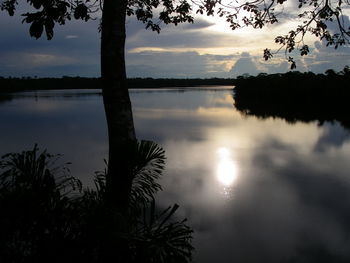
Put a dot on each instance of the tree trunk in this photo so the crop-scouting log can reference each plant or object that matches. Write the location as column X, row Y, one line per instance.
column 116, row 102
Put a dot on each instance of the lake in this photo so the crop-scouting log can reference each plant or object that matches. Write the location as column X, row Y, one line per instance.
column 253, row 190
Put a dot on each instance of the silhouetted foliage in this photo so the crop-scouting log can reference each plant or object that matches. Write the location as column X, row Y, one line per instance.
column 46, row 215
column 296, row 96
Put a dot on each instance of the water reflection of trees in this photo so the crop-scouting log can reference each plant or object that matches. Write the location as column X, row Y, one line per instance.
column 5, row 98
column 47, row 216
column 296, row 96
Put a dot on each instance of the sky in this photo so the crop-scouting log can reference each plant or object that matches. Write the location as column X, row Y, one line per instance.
column 205, row 49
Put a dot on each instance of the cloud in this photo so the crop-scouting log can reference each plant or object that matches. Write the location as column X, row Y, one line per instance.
column 198, row 24
column 253, row 65
column 71, row 36
column 204, row 36
column 24, row 60
column 333, row 26
column 245, row 64
column 207, row 48
column 177, row 64
column 279, row 67
column 325, row 57
column 73, row 51
column 39, row 60
column 333, row 135
column 184, row 37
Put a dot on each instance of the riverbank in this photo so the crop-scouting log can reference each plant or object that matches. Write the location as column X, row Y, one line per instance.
column 25, row 84
column 295, row 96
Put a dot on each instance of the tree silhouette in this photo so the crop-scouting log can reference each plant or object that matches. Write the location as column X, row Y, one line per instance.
column 314, row 14
column 320, row 97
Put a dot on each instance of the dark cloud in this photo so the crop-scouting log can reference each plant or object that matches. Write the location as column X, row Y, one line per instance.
column 133, row 26
column 171, row 39
column 176, row 65
column 221, row 57
column 198, row 24
column 333, row 26
column 74, row 50
column 184, row 36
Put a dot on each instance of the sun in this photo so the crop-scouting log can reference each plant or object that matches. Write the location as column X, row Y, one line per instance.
column 227, row 170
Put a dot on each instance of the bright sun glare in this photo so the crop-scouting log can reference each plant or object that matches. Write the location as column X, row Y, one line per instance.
column 227, row 170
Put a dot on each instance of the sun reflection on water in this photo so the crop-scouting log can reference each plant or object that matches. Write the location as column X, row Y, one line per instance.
column 227, row 170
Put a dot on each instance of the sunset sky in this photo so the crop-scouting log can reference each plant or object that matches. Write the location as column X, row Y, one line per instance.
column 205, row 49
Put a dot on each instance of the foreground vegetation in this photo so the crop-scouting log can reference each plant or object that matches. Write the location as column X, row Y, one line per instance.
column 47, row 216
column 296, row 96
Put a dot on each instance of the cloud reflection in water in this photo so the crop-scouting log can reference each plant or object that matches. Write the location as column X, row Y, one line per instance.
column 291, row 182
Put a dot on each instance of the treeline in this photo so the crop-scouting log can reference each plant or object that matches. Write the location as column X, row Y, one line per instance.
column 28, row 83
column 296, row 96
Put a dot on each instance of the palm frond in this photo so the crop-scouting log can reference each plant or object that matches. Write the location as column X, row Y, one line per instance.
column 162, row 238
column 149, row 164
column 36, row 171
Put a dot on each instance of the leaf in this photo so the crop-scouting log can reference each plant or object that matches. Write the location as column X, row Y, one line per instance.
column 36, row 3
column 304, row 50
column 81, row 12
column 292, row 63
column 49, row 25
column 9, row 6
column 31, row 17
column 36, row 29
column 267, row 54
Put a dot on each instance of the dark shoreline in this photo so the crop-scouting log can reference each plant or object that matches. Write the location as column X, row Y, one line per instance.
column 296, row 96
column 29, row 84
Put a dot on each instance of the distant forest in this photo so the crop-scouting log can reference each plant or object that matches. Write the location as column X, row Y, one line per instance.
column 28, row 83
column 296, row 96
column 292, row 96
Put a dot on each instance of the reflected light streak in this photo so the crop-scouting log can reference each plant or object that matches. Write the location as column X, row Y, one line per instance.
column 227, row 170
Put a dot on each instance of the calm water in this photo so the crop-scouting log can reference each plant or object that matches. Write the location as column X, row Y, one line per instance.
column 253, row 190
